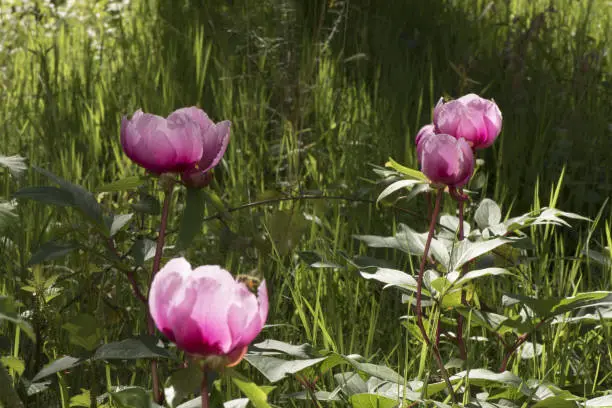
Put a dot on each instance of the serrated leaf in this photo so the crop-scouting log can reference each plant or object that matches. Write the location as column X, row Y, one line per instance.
column 415, row 174
column 52, row 250
column 393, row 187
column 61, row 364
column 132, row 349
column 487, row 214
column 192, row 218
column 127, row 183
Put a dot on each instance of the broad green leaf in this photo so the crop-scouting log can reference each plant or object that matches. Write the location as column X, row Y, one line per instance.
column 194, row 403
column 477, row 274
column 320, row 395
column 52, row 250
column 589, row 318
column 530, row 350
column 8, row 311
column 549, row 307
column 482, row 378
column 393, row 187
column 61, row 364
column 378, row 371
column 392, row 277
column 85, row 331
column 36, row 387
column 132, row 349
column 143, row 250
column 46, row 195
column 600, row 402
column 415, row 174
column 127, row 183
column 119, row 221
column 467, row 250
column 15, row 164
column 300, row 351
column 14, row 363
column 83, row 200
column 147, row 204
column 409, row 241
column 237, row 403
column 275, row 369
column 255, row 394
column 285, row 228
column 555, row 402
column 182, row 383
column 131, row 397
column 366, row 400
column 81, row 400
column 487, row 214
column 351, row 383
column 495, row 322
column 192, row 218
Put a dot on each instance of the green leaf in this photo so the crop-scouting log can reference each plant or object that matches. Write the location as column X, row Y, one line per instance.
column 494, row 322
column 482, row 378
column 127, row 183
column 467, row 250
column 366, row 400
column 392, row 277
column 84, row 331
column 275, row 369
column 393, row 187
column 83, row 200
column 14, row 363
column 46, row 195
column 409, row 241
column 8, row 311
column 549, row 307
column 600, row 402
column 351, row 383
column 182, row 383
column 143, row 250
column 378, row 371
column 81, row 400
column 285, row 228
column 15, row 164
column 119, row 221
column 132, row 349
column 132, row 397
column 192, row 218
column 61, row 364
column 52, row 250
column 555, row 402
column 477, row 274
column 300, row 351
column 7, row 214
column 415, row 174
column 147, row 205
column 487, row 214
column 255, row 394
column 237, row 403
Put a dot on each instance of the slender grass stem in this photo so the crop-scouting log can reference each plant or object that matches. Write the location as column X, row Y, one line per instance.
column 460, row 319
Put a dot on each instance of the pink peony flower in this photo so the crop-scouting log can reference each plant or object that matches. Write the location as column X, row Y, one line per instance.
column 185, row 141
column 446, row 160
column 471, row 117
column 424, row 131
column 205, row 311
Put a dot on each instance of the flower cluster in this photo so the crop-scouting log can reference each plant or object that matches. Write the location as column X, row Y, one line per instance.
column 187, row 142
column 446, row 147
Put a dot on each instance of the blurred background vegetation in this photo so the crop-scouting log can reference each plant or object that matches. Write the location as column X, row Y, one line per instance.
column 317, row 91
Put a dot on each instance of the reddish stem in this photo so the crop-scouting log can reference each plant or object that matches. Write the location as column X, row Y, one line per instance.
column 130, row 274
column 520, row 340
column 157, row 395
column 419, row 312
column 204, row 389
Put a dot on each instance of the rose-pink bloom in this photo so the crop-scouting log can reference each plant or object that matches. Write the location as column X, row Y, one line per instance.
column 162, row 145
column 205, row 311
column 424, row 131
column 471, row 117
column 446, row 160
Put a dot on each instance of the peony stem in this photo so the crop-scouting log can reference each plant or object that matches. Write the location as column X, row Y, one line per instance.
column 419, row 312
column 460, row 319
column 204, row 389
column 157, row 395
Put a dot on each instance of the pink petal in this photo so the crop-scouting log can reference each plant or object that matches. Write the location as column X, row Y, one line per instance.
column 215, row 142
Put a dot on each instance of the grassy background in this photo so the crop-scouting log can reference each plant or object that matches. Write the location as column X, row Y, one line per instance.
column 316, row 91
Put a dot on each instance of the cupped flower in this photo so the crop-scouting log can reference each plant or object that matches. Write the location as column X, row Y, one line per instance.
column 205, row 311
column 471, row 117
column 162, row 145
column 446, row 160
column 424, row 131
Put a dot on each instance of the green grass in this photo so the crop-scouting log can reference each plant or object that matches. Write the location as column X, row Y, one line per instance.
column 316, row 92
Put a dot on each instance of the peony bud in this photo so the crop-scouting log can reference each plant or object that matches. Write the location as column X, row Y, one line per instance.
column 446, row 160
